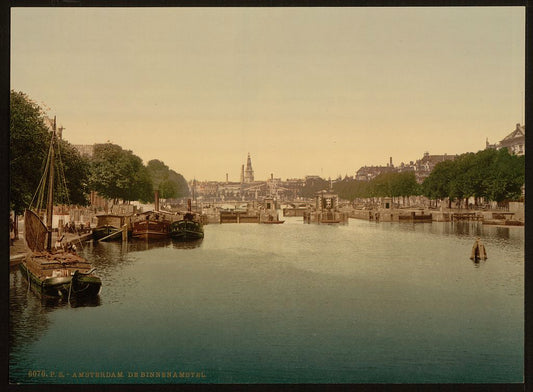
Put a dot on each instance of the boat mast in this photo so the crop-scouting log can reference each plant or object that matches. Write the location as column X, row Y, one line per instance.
column 50, row 201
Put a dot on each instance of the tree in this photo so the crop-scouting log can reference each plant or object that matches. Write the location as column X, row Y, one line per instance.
column 74, row 171
column 28, row 147
column 507, row 176
column 165, row 180
column 119, row 174
column 182, row 188
column 312, row 186
column 492, row 174
column 404, row 185
column 437, row 185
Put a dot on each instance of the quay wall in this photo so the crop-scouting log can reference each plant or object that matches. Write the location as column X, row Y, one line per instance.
column 420, row 216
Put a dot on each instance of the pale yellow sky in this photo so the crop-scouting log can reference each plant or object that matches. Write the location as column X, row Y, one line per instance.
column 303, row 90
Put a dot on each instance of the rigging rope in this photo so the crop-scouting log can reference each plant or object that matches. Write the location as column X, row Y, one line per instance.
column 40, row 192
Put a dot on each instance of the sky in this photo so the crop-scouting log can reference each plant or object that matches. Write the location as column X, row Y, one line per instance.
column 306, row 91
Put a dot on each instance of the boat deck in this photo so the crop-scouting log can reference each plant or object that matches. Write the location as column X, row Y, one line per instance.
column 47, row 264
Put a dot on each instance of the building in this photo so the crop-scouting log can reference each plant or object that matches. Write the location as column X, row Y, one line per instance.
column 248, row 172
column 424, row 166
column 367, row 173
column 515, row 141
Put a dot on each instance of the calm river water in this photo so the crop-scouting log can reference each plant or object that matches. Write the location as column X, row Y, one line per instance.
column 292, row 303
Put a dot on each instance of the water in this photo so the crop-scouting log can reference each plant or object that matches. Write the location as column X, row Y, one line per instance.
column 293, row 303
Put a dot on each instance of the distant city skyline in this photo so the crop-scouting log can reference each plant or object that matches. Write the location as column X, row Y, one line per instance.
column 306, row 91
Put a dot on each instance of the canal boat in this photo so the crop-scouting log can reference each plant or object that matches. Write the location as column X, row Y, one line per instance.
column 270, row 219
column 109, row 226
column 58, row 271
column 189, row 228
column 151, row 225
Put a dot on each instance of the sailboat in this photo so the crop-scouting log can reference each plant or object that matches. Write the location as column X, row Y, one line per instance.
column 54, row 272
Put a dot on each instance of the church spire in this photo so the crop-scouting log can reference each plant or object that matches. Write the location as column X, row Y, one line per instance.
column 249, row 173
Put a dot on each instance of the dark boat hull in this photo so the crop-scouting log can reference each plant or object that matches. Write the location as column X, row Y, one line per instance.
column 104, row 231
column 185, row 230
column 76, row 286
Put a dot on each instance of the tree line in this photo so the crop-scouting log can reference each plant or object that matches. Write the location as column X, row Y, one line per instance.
column 113, row 172
column 489, row 175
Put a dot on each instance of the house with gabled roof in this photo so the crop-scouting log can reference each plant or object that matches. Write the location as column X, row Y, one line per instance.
column 515, row 141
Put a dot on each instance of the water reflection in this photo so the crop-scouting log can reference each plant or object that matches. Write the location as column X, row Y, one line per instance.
column 29, row 312
column 138, row 245
column 503, row 232
column 477, row 263
column 187, row 244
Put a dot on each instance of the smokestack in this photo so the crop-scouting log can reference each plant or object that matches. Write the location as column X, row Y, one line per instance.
column 391, row 161
column 227, row 178
column 156, row 207
column 271, row 176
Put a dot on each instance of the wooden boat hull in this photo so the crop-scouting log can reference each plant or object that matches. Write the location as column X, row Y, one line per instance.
column 278, row 222
column 149, row 229
column 185, row 230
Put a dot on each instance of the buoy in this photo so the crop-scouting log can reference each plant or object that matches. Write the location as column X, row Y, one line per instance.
column 478, row 251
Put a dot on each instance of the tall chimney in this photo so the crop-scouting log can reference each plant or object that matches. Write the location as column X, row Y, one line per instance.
column 227, row 178
column 156, row 207
column 391, row 161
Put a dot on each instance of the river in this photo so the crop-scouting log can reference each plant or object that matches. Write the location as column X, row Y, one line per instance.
column 293, row 303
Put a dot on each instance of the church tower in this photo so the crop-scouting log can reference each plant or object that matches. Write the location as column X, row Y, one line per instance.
column 249, row 173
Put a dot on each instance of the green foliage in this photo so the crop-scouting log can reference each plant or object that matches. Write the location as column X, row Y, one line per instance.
column 182, row 188
column 119, row 174
column 29, row 144
column 385, row 184
column 437, row 185
column 312, row 186
column 169, row 183
column 75, row 170
column 491, row 174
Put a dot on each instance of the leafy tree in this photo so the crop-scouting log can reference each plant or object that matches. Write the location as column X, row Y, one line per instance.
column 404, row 184
column 507, row 176
column 118, row 174
column 492, row 174
column 437, row 185
column 312, row 186
column 30, row 140
column 74, row 172
column 182, row 188
column 28, row 148
column 169, row 183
